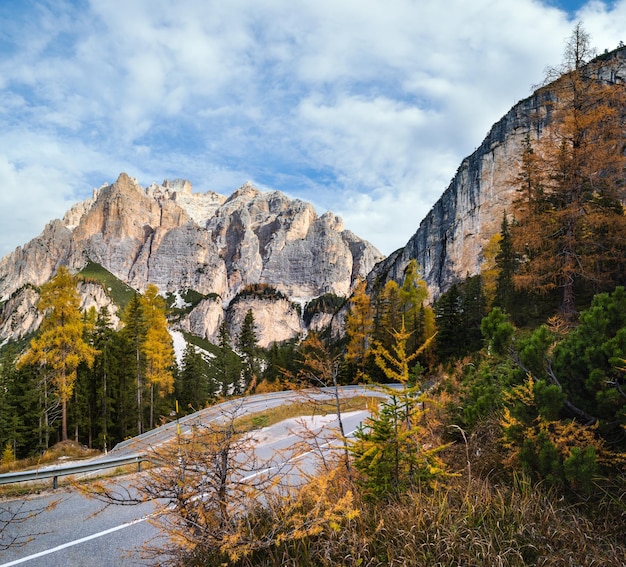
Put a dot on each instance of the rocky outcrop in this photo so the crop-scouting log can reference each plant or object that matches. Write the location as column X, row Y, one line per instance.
column 276, row 320
column 19, row 315
column 204, row 320
column 449, row 241
column 93, row 295
column 168, row 236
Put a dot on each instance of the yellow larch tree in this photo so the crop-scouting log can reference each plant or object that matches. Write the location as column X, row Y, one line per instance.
column 60, row 346
column 359, row 328
column 157, row 347
column 570, row 223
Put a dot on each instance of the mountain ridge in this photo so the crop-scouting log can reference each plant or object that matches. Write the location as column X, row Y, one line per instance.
column 215, row 245
column 449, row 241
column 168, row 235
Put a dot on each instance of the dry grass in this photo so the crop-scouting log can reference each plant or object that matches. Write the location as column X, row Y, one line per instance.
column 56, row 455
column 301, row 409
column 467, row 523
column 64, row 451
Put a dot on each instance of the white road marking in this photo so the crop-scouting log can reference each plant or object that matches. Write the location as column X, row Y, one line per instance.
column 129, row 524
column 75, row 542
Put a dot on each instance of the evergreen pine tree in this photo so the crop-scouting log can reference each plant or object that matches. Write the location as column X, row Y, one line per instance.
column 122, row 386
column 247, row 347
column 472, row 313
column 9, row 416
column 225, row 367
column 105, row 379
column 195, row 386
column 448, row 319
column 134, row 331
column 506, row 264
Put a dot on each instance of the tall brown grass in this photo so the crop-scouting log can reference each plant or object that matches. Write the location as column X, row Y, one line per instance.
column 470, row 522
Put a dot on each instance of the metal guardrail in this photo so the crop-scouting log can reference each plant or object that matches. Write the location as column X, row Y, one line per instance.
column 138, row 458
column 65, row 470
column 199, row 415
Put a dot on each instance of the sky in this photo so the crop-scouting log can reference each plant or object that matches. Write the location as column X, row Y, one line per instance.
column 362, row 107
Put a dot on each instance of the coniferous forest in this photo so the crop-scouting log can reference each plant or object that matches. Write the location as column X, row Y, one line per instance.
column 504, row 438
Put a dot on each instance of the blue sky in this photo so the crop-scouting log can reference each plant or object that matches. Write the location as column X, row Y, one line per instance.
column 361, row 107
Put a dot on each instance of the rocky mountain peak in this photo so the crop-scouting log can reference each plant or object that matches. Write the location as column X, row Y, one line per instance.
column 247, row 192
column 216, row 246
column 178, row 185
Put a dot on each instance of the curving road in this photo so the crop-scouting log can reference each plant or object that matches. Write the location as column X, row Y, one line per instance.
column 76, row 531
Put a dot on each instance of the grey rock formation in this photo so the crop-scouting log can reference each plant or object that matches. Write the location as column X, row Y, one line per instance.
column 276, row 320
column 178, row 240
column 20, row 315
column 449, row 241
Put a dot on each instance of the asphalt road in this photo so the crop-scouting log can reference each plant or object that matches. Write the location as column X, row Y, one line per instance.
column 72, row 533
column 75, row 531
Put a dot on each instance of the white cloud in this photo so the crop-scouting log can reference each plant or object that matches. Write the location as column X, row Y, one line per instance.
column 362, row 107
column 28, row 194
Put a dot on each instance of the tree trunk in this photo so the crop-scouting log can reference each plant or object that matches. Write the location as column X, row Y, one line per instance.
column 63, row 420
column 151, row 406
column 46, row 419
column 104, row 405
column 335, row 371
column 139, row 420
column 568, row 307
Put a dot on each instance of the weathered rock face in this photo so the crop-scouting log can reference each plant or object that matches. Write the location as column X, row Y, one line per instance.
column 93, row 295
column 177, row 240
column 19, row 315
column 276, row 320
column 449, row 241
column 205, row 319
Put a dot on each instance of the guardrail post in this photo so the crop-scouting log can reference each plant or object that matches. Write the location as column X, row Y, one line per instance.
column 55, row 482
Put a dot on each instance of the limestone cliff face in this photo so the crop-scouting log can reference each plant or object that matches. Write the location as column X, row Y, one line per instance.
column 450, row 239
column 94, row 295
column 19, row 315
column 276, row 319
column 178, row 240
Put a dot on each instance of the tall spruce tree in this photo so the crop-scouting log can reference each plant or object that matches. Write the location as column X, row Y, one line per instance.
column 122, row 383
column 225, row 366
column 473, row 309
column 195, row 385
column 506, row 264
column 105, row 378
column 21, row 415
column 9, row 417
column 247, row 347
column 134, row 331
column 448, row 319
